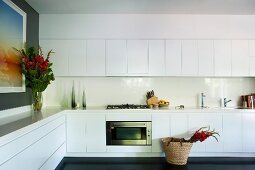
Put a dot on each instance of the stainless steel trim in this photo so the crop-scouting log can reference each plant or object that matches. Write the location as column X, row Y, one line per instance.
column 149, row 129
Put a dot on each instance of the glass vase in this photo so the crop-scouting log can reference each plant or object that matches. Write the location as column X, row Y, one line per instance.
column 38, row 101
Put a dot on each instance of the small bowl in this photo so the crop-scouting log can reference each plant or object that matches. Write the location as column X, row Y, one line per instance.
column 163, row 105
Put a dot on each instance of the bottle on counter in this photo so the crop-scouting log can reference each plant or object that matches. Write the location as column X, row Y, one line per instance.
column 244, row 102
column 83, row 100
column 73, row 102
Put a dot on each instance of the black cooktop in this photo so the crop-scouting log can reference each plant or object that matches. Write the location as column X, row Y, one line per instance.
column 127, row 106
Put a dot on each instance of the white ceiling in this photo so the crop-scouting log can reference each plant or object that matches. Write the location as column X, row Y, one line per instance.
column 144, row 6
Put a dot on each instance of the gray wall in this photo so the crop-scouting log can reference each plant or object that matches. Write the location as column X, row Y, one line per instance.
column 11, row 100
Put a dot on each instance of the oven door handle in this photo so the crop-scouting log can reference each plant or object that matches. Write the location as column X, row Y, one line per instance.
column 129, row 124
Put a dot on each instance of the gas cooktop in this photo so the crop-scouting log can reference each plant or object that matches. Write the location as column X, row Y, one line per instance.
column 127, row 106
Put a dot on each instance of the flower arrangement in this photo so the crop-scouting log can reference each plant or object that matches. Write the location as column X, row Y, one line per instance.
column 201, row 135
column 37, row 71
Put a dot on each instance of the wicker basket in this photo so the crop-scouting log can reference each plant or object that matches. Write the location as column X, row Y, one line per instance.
column 177, row 153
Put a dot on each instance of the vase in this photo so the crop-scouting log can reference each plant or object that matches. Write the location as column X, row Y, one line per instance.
column 73, row 102
column 38, row 100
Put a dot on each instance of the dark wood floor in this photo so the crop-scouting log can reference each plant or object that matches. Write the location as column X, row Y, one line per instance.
column 155, row 164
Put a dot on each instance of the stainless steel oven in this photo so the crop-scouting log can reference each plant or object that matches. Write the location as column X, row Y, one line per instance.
column 128, row 133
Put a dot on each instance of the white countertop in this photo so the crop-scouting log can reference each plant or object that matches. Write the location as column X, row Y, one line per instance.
column 24, row 119
column 162, row 110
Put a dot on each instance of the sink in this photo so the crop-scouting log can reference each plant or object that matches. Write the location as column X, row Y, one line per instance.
column 229, row 108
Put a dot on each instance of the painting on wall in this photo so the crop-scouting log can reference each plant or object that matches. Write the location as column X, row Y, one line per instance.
column 12, row 35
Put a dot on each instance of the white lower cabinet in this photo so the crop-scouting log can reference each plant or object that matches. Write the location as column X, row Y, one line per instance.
column 86, row 132
column 179, row 125
column 212, row 120
column 196, row 121
column 232, row 132
column 43, row 152
column 248, row 132
column 96, row 133
column 160, row 129
column 75, row 132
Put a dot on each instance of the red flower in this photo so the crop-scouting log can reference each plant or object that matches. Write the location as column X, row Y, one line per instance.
column 201, row 135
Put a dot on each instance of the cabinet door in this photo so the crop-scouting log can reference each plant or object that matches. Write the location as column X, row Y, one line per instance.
column 160, row 129
column 240, row 58
column 189, row 58
column 75, row 132
column 252, row 48
column 232, row 132
column 173, row 57
column 60, row 57
column 157, row 57
column 138, row 59
column 248, row 132
column 196, row 121
column 116, row 57
column 179, row 125
column 95, row 57
column 76, row 57
column 252, row 57
column 215, row 123
column 96, row 133
column 206, row 58
column 252, row 68
column 222, row 57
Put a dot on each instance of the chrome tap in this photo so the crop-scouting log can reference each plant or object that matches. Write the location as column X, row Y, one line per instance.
column 203, row 95
column 226, row 102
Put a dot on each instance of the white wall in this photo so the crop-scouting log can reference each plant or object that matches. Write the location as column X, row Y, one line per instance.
column 146, row 26
column 101, row 91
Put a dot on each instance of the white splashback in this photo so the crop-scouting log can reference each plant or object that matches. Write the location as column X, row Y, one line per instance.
column 101, row 91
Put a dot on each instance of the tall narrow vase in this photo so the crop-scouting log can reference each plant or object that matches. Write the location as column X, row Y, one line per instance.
column 38, row 100
column 73, row 102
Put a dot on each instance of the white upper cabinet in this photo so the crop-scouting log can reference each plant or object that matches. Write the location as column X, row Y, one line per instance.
column 138, row 59
column 189, row 58
column 60, row 57
column 69, row 56
column 252, row 57
column 206, row 58
column 95, row 57
column 157, row 57
column 252, row 48
column 222, row 57
column 240, row 58
column 76, row 57
column 173, row 57
column 116, row 57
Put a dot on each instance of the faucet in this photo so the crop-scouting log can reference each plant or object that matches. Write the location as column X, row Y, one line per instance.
column 203, row 95
column 226, row 102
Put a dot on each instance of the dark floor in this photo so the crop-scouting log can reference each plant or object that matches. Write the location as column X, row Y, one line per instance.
column 155, row 164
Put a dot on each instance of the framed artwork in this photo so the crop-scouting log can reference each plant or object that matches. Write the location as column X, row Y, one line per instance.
column 12, row 35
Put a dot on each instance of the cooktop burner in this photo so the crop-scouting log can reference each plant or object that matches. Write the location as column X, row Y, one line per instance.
column 127, row 106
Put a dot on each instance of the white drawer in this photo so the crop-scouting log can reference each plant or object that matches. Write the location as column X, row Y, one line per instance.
column 16, row 146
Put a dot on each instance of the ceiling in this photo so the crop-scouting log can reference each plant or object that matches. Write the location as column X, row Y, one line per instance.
column 143, row 6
